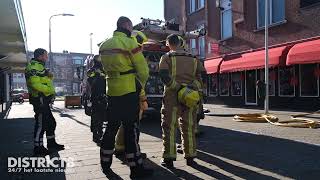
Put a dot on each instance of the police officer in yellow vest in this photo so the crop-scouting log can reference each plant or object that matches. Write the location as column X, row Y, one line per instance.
column 97, row 81
column 127, row 73
column 181, row 74
column 41, row 90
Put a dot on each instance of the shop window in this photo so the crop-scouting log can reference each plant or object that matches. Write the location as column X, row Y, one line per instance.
column 272, row 80
column 287, row 81
column 213, row 85
column 309, row 80
column 224, row 84
column 236, row 84
column 276, row 12
column 306, row 3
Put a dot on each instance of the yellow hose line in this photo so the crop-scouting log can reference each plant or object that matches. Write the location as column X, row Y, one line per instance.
column 294, row 122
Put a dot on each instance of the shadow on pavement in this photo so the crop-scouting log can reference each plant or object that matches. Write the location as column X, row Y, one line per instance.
column 223, row 147
column 16, row 137
column 62, row 113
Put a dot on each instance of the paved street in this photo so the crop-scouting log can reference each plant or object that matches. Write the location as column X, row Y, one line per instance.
column 227, row 149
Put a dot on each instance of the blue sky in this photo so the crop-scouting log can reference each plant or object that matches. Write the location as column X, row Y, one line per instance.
column 91, row 16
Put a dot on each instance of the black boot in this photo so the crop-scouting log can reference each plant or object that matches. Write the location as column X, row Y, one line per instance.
column 140, row 172
column 191, row 162
column 40, row 151
column 54, row 146
column 167, row 163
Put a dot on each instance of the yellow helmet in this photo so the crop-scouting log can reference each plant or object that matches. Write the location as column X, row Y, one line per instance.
column 139, row 37
column 188, row 97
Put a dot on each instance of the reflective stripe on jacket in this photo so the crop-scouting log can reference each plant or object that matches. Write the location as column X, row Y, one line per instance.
column 123, row 63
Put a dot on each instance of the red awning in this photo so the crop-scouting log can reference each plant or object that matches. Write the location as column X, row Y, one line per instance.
column 304, row 53
column 212, row 65
column 254, row 60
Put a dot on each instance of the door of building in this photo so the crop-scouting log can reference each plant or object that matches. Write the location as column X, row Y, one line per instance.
column 251, row 90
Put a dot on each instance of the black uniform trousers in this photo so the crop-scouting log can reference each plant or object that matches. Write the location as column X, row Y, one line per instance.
column 122, row 110
column 45, row 122
column 98, row 116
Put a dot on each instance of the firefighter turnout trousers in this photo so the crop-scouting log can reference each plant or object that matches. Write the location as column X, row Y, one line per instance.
column 122, row 110
column 45, row 122
column 173, row 111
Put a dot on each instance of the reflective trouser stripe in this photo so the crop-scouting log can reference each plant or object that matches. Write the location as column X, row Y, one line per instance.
column 190, row 131
column 105, row 159
column 131, row 155
column 51, row 137
column 106, row 152
column 39, row 129
column 172, row 130
column 132, row 163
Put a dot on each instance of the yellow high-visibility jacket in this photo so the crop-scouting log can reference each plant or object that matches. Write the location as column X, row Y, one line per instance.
column 38, row 80
column 123, row 63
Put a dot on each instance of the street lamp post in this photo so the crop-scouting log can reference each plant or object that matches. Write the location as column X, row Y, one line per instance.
column 50, row 56
column 266, row 105
column 91, row 43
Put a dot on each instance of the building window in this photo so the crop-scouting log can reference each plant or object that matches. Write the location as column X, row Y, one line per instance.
column 192, row 4
column 201, row 4
column 77, row 60
column 272, row 80
column 213, row 85
column 276, row 12
column 236, row 84
column 309, row 80
column 305, row 3
column 224, row 84
column 226, row 24
column 287, row 81
column 202, row 47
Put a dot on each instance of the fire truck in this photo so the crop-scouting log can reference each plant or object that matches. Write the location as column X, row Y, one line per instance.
column 156, row 31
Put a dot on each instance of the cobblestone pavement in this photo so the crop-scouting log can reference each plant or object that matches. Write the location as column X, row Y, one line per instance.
column 226, row 150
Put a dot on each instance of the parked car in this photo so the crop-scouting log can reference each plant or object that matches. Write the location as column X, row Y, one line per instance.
column 24, row 93
column 18, row 95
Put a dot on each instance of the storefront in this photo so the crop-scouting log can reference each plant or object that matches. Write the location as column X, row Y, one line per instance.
column 293, row 77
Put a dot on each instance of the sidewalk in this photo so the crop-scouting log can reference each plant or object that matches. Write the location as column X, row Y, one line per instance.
column 227, row 150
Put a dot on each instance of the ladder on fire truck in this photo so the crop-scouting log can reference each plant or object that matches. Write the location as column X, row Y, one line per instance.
column 158, row 30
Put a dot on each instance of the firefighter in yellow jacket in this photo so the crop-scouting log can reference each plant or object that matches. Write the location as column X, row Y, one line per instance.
column 41, row 90
column 127, row 72
column 181, row 74
column 140, row 38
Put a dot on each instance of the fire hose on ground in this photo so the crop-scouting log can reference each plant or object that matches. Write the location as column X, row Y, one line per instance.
column 297, row 121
